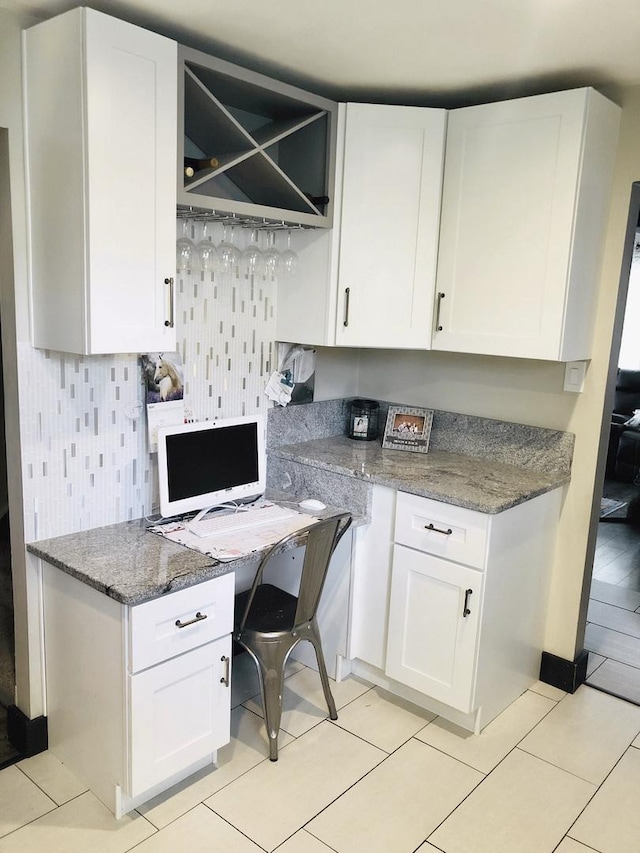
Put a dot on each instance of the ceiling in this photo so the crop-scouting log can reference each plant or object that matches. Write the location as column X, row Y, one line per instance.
column 433, row 52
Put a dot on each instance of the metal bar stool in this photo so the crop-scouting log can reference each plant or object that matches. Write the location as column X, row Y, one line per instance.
column 270, row 622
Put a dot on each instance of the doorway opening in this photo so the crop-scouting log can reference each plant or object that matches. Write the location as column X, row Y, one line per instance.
column 612, row 633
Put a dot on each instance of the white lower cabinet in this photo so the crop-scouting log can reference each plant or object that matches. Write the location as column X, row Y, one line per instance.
column 179, row 712
column 138, row 698
column 434, row 626
column 448, row 604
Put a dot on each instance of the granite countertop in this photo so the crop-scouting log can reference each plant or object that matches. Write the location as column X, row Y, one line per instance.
column 481, row 464
column 127, row 562
column 473, row 482
column 132, row 565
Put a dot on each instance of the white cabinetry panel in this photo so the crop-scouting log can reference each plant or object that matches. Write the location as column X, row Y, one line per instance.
column 129, row 735
column 432, row 644
column 179, row 713
column 101, row 110
column 519, row 256
column 168, row 626
column 372, row 580
column 454, row 623
column 392, row 182
column 447, row 531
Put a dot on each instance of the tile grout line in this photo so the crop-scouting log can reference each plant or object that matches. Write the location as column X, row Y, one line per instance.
column 596, row 791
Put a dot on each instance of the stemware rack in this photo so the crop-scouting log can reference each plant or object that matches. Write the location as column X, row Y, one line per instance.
column 272, row 144
column 203, row 214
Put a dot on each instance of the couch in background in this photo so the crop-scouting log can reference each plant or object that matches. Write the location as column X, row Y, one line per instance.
column 623, row 456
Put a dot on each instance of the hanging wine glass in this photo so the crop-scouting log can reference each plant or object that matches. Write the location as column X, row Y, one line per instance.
column 184, row 249
column 271, row 257
column 228, row 254
column 289, row 259
column 252, row 261
column 207, row 255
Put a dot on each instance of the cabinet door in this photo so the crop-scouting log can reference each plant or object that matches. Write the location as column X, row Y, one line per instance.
column 180, row 713
column 434, row 620
column 131, row 103
column 390, row 215
column 101, row 107
column 512, row 179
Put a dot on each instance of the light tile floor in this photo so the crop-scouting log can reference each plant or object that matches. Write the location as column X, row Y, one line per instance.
column 613, row 622
column 554, row 772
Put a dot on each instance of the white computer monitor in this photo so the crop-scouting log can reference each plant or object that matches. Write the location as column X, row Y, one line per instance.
column 203, row 465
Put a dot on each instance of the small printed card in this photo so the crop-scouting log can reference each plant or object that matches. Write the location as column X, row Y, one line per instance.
column 164, row 391
column 407, row 429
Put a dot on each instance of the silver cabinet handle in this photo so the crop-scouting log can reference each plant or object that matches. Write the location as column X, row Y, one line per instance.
column 197, row 618
column 347, row 293
column 467, row 595
column 446, row 532
column 227, row 669
column 438, row 303
column 169, row 322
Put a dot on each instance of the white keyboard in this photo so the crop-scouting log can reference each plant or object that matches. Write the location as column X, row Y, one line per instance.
column 257, row 516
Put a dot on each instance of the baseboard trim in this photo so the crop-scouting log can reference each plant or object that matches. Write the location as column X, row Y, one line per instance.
column 567, row 675
column 29, row 737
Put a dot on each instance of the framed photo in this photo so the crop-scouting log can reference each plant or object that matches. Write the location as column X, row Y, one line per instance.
column 408, row 429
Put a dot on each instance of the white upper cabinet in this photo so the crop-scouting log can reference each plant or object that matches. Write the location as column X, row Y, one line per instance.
column 101, row 116
column 392, row 180
column 369, row 282
column 524, row 208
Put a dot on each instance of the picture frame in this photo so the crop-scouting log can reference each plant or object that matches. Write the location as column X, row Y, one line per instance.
column 408, row 428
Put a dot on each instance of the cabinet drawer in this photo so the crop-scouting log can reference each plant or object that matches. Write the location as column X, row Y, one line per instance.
column 169, row 626
column 442, row 529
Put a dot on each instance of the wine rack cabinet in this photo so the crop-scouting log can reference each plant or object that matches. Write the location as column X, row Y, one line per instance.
column 271, row 145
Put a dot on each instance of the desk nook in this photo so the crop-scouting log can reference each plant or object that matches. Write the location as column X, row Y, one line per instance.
column 138, row 628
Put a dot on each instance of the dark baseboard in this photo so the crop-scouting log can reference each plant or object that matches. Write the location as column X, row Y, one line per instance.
column 29, row 737
column 566, row 674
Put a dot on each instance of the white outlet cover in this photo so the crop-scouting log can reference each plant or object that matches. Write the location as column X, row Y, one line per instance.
column 574, row 374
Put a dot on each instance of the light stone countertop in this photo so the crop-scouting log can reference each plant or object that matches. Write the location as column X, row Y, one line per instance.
column 132, row 565
column 473, row 482
column 127, row 562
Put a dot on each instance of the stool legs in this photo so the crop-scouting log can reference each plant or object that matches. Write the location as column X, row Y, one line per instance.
column 314, row 638
column 271, row 657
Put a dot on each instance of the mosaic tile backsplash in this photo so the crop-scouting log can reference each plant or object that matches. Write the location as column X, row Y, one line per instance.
column 85, row 454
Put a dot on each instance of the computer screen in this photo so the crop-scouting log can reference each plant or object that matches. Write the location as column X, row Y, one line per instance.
column 203, row 465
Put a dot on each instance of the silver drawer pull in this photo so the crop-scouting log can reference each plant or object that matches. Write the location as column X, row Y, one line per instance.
column 438, row 304
column 446, row 532
column 170, row 322
column 197, row 618
column 227, row 665
column 347, row 296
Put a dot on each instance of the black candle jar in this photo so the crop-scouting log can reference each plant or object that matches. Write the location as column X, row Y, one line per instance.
column 363, row 420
